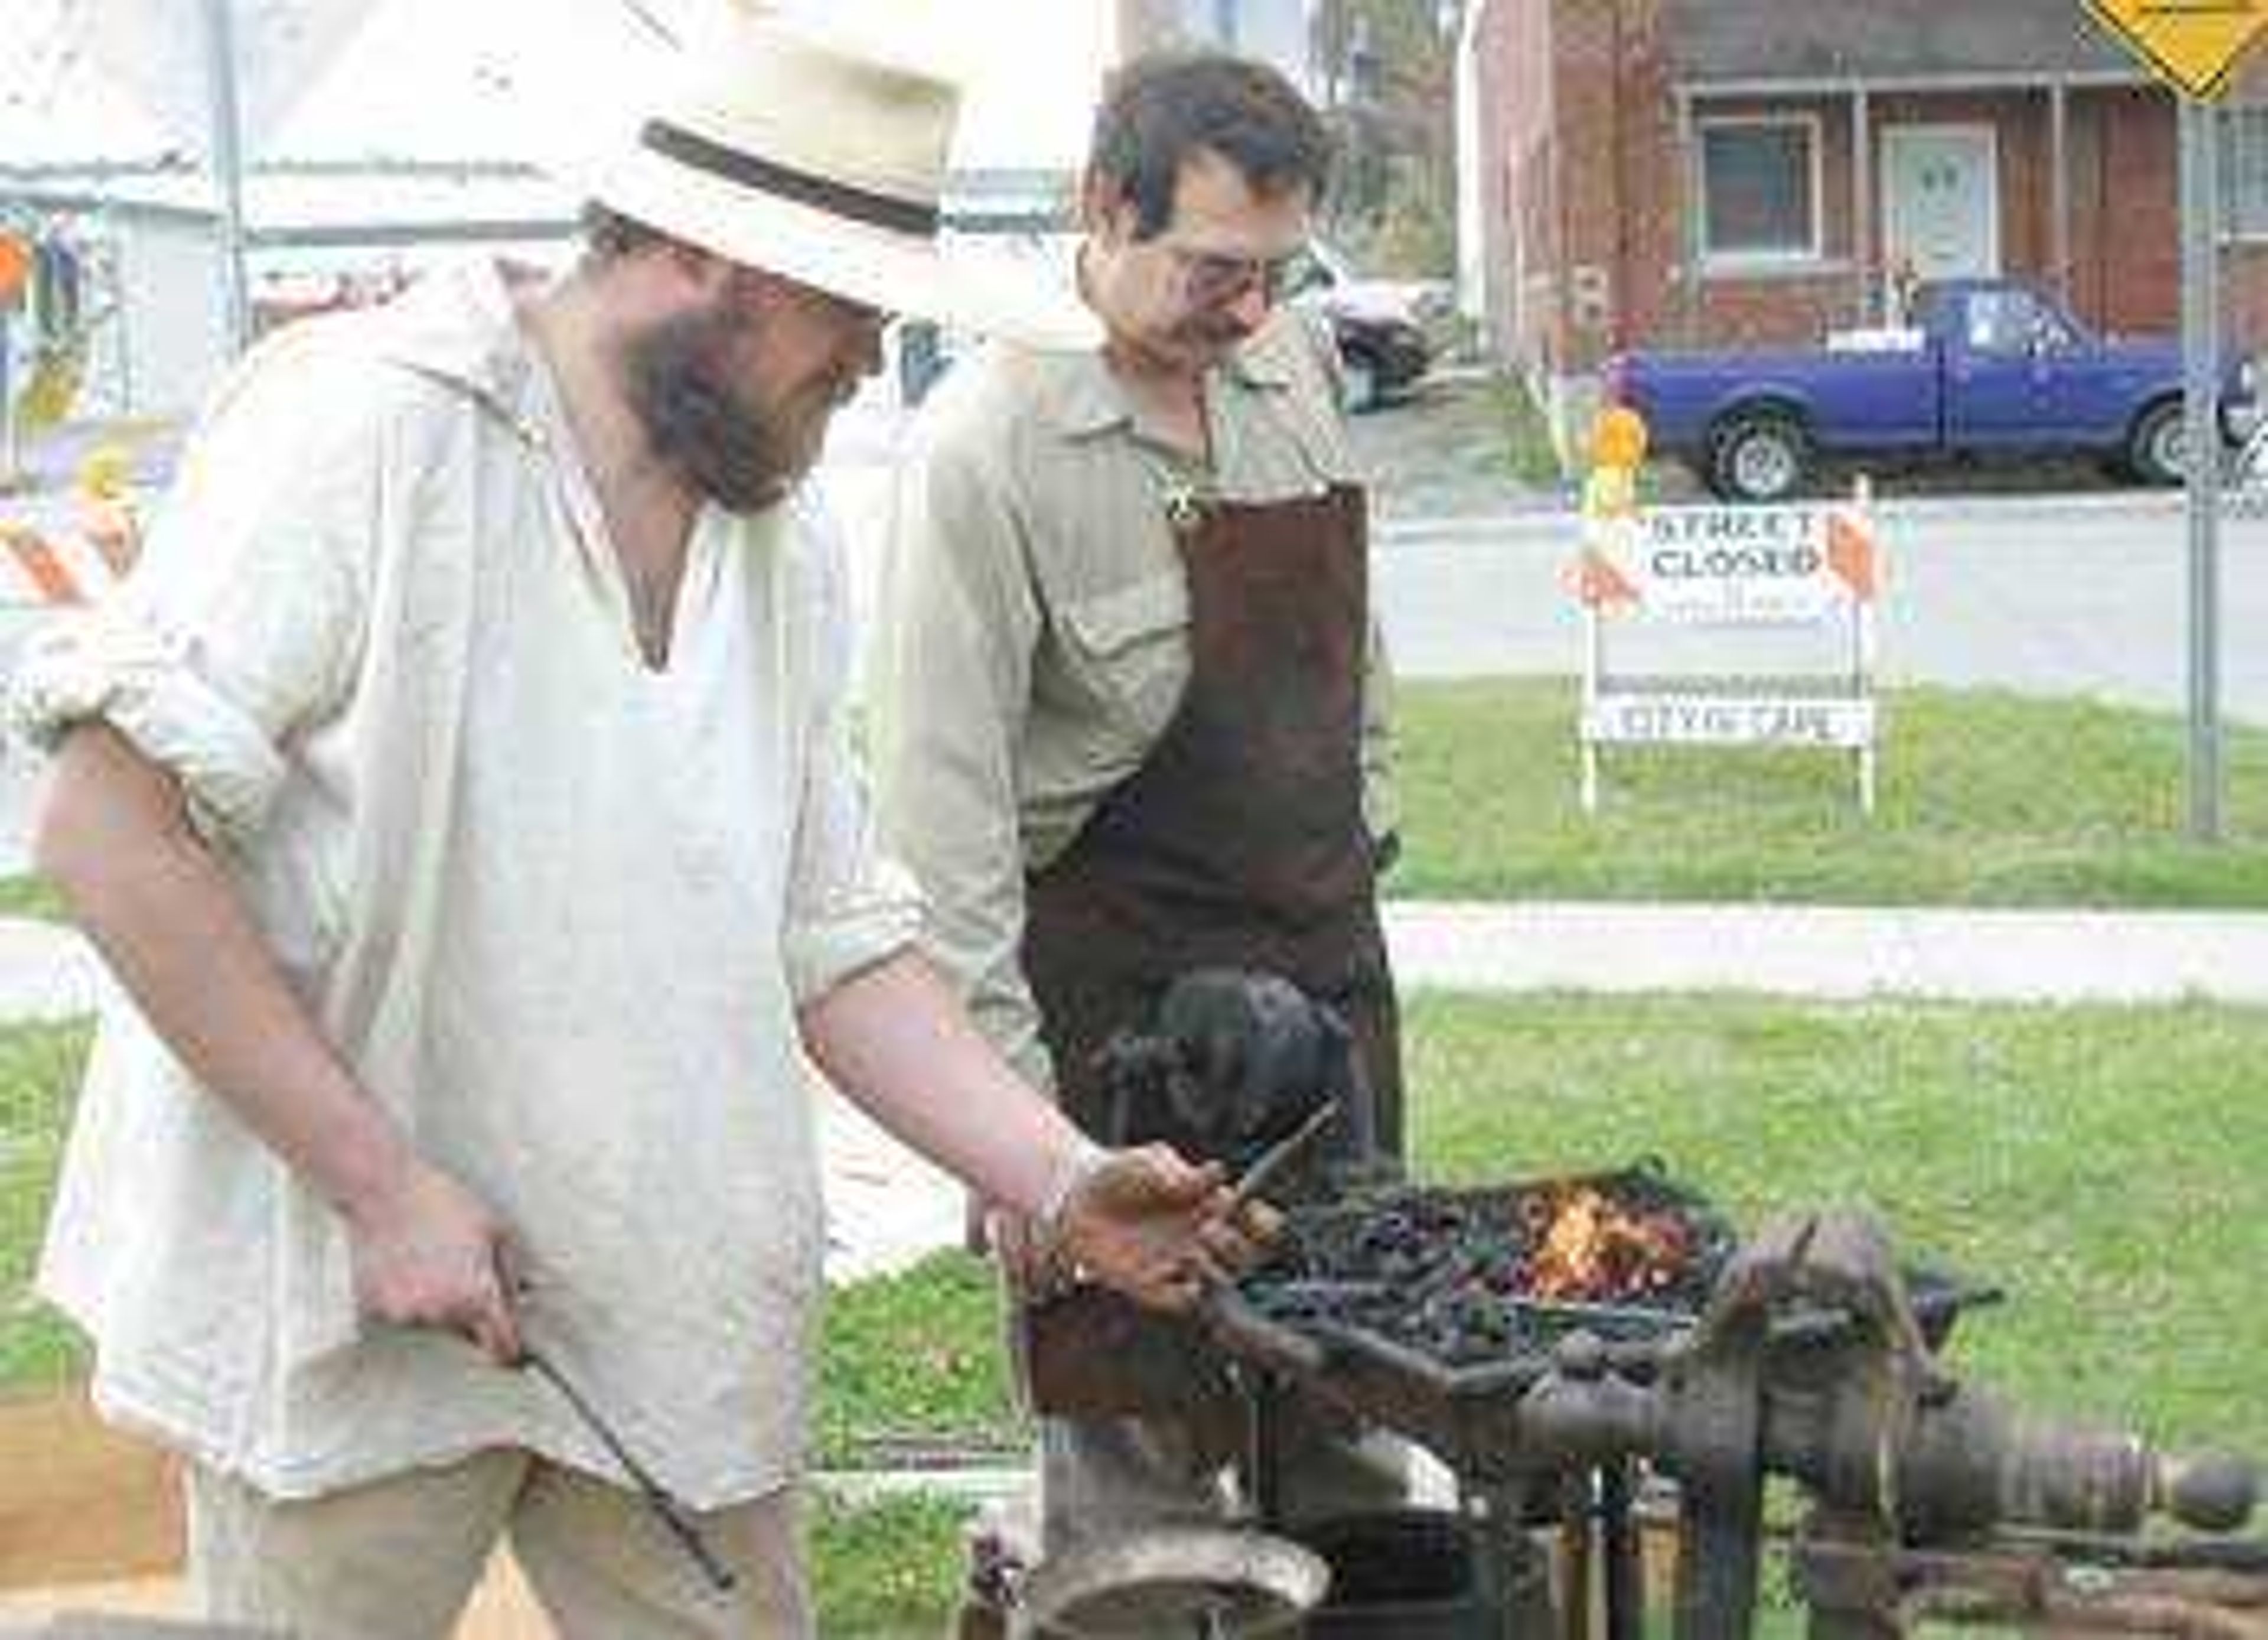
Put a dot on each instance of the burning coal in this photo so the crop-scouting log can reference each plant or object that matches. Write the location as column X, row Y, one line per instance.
column 1591, row 1249
column 1473, row 1275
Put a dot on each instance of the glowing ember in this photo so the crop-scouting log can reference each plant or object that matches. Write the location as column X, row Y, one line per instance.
column 1592, row 1249
column 1499, row 1274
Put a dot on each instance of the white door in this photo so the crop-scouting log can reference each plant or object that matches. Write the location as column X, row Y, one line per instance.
column 1941, row 201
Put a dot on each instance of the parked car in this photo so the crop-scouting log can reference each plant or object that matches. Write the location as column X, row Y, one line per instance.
column 1987, row 368
column 1384, row 328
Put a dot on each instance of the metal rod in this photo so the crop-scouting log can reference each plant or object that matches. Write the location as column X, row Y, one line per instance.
column 1272, row 1161
column 226, row 157
column 656, row 1497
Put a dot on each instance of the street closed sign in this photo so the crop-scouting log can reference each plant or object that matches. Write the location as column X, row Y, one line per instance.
column 2193, row 43
column 1667, row 718
column 1718, row 572
column 1737, row 565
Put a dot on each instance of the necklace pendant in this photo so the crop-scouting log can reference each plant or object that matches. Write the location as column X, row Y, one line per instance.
column 1184, row 509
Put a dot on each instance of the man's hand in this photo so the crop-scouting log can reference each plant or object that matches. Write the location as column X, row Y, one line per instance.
column 427, row 1253
column 1156, row 1228
column 1033, row 1269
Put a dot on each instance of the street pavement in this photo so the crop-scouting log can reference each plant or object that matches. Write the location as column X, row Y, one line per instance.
column 2054, row 595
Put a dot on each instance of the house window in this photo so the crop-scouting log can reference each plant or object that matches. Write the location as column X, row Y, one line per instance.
column 2244, row 173
column 1760, row 188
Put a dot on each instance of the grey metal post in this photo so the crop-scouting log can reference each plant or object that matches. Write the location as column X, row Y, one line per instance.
column 1863, row 236
column 2060, row 185
column 1688, row 149
column 2200, row 351
column 227, row 160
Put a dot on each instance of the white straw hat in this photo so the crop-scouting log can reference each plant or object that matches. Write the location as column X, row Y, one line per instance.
column 780, row 146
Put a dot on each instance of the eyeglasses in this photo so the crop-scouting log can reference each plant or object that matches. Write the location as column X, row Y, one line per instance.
column 1212, row 280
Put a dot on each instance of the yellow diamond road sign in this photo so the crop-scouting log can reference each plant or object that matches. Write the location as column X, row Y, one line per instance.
column 2194, row 43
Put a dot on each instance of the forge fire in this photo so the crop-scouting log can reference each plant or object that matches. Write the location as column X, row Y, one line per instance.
column 1473, row 1275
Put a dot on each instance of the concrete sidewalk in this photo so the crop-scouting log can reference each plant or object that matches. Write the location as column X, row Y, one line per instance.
column 1834, row 951
column 47, row 972
column 888, row 1207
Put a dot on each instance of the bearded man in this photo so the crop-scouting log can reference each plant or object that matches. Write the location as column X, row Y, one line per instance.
column 460, row 794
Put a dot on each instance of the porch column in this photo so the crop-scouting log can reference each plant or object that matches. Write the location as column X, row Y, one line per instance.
column 2059, row 188
column 1862, row 205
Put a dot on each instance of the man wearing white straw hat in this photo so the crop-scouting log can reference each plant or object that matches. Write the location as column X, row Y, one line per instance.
column 460, row 796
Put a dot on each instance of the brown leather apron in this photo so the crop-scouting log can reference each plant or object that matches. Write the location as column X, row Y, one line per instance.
column 1240, row 842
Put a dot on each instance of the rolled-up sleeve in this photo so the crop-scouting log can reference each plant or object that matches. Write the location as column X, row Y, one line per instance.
column 242, row 620
column 849, row 905
column 951, row 681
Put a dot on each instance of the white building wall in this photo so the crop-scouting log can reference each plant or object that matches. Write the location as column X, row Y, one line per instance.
column 171, row 333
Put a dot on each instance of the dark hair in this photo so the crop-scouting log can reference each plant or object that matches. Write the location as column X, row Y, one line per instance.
column 1161, row 110
column 609, row 236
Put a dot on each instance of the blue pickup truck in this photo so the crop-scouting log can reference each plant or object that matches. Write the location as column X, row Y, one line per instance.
column 1987, row 368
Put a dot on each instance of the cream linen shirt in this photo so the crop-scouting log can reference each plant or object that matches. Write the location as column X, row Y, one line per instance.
column 557, row 911
column 1033, row 640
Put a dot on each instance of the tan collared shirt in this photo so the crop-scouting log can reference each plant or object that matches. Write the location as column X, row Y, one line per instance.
column 1033, row 639
column 557, row 909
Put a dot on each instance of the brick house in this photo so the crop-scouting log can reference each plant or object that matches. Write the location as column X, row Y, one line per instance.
column 1721, row 172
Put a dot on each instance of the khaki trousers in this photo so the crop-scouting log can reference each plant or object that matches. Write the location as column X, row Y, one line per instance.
column 399, row 1558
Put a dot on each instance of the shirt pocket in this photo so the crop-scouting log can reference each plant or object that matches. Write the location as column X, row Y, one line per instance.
column 1129, row 649
column 1316, row 434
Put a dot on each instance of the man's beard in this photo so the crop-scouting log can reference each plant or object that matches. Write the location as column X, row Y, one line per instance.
column 678, row 377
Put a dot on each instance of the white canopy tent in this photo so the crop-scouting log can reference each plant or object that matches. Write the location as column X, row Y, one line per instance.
column 378, row 122
column 371, row 134
column 89, row 84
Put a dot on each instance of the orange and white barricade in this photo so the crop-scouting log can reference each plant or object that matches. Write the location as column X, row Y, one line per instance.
column 1733, row 569
column 60, row 551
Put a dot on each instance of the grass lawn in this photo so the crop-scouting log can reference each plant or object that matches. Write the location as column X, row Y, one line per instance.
column 885, row 1572
column 29, row 897
column 914, row 1361
column 1528, row 450
column 1986, row 798
column 39, row 1073
column 2108, row 1166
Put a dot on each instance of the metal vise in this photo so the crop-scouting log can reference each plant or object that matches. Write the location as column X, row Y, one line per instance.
column 1808, row 1363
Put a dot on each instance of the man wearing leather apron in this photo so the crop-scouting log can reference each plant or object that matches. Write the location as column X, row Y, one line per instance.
column 1130, row 695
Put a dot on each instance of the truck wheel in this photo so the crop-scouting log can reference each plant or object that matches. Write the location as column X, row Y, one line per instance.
column 1758, row 455
column 2157, row 450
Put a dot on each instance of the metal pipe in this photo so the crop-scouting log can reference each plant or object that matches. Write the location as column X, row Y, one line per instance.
column 226, row 157
column 2200, row 352
column 1863, row 256
column 665, row 1508
column 2059, row 187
